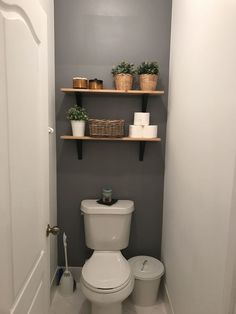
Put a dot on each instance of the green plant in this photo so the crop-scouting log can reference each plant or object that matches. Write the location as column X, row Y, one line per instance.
column 123, row 68
column 77, row 113
column 148, row 68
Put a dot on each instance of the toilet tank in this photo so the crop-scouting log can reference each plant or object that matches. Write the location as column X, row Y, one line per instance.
column 107, row 228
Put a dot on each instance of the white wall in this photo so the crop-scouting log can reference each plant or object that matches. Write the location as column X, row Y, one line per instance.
column 48, row 6
column 200, row 157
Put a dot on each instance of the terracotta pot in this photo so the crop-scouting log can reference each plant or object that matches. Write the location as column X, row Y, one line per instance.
column 123, row 81
column 148, row 81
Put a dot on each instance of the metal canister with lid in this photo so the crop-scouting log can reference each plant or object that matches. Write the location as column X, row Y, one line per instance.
column 95, row 84
column 147, row 271
column 80, row 82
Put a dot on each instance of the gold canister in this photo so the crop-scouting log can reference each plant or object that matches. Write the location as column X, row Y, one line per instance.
column 80, row 83
column 95, row 84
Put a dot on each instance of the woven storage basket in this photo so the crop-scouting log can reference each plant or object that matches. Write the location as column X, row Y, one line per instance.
column 106, row 128
column 123, row 81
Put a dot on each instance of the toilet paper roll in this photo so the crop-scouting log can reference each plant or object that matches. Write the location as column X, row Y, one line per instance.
column 150, row 131
column 135, row 131
column 141, row 118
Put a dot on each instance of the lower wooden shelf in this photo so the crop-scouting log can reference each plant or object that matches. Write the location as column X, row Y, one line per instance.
column 130, row 139
column 79, row 139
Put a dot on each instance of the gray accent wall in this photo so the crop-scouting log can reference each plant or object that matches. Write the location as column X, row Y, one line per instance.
column 92, row 36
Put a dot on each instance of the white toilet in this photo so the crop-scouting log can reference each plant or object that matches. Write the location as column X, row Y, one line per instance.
column 106, row 278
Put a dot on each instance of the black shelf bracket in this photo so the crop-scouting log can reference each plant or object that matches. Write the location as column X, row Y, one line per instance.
column 142, row 144
column 144, row 102
column 141, row 150
column 80, row 149
column 78, row 97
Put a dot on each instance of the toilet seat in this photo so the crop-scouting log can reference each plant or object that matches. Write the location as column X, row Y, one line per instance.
column 106, row 291
column 106, row 272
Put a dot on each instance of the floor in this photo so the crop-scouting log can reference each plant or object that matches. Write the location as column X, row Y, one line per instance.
column 77, row 304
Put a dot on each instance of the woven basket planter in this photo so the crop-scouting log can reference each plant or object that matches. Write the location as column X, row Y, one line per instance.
column 106, row 128
column 123, row 81
column 148, row 81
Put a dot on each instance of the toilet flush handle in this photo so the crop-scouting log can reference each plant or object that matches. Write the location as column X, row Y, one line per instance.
column 143, row 265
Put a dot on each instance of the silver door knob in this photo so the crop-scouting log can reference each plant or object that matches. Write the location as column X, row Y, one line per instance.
column 55, row 230
column 50, row 130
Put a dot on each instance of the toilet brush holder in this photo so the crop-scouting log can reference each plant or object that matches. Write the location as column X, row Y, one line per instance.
column 67, row 281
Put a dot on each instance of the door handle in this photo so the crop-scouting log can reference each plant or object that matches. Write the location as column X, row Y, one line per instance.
column 55, row 230
column 50, row 130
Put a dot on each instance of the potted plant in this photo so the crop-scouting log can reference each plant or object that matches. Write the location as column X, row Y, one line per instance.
column 148, row 75
column 123, row 75
column 78, row 116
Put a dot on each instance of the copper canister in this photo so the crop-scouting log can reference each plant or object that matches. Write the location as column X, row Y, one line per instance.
column 95, row 84
column 80, row 82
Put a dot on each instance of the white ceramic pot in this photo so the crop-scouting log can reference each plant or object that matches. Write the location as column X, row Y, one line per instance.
column 78, row 127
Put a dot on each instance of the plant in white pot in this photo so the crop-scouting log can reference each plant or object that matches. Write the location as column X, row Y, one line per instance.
column 78, row 117
column 148, row 75
column 123, row 74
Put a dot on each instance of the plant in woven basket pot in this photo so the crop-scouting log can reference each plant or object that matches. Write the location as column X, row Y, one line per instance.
column 123, row 75
column 148, row 75
column 78, row 117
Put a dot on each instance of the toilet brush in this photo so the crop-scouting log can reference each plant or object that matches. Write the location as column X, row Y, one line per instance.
column 67, row 280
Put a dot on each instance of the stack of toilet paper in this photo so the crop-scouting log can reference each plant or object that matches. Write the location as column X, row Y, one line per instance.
column 141, row 127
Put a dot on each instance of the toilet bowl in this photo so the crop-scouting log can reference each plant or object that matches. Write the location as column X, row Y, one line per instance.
column 107, row 279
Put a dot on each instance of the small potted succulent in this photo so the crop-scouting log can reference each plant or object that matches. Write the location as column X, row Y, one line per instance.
column 78, row 117
column 123, row 75
column 148, row 75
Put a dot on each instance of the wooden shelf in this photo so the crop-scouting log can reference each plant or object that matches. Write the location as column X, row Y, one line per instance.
column 111, row 91
column 144, row 96
column 128, row 139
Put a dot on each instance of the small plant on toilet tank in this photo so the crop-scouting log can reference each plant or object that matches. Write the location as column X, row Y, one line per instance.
column 78, row 117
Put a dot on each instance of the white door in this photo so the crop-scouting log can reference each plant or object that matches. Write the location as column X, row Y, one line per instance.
column 24, row 278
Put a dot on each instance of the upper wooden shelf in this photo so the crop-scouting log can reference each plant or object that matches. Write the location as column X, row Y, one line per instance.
column 112, row 91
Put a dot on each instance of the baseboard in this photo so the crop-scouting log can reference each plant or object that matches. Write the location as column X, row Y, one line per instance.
column 76, row 272
column 53, row 285
column 167, row 300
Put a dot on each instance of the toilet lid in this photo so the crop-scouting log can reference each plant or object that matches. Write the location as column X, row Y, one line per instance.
column 106, row 270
